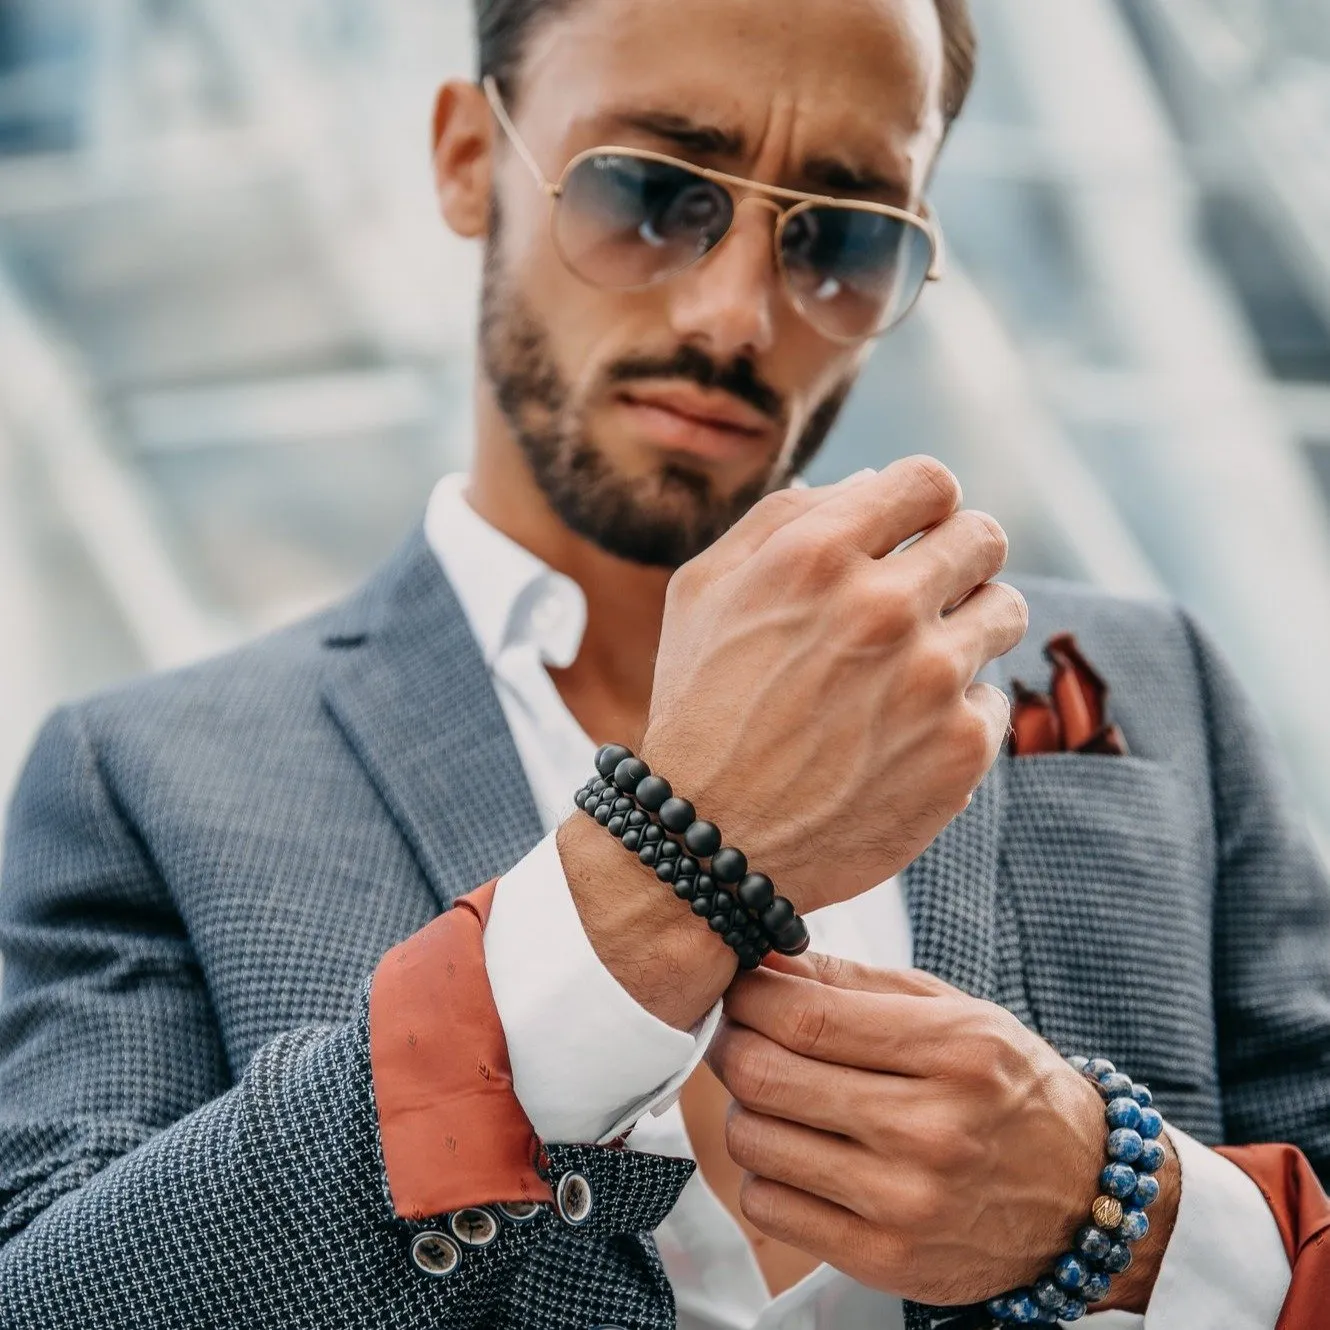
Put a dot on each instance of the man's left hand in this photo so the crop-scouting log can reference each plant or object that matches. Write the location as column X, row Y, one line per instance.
column 920, row 1140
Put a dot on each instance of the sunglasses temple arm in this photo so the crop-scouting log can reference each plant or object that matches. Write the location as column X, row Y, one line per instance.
column 938, row 267
column 510, row 129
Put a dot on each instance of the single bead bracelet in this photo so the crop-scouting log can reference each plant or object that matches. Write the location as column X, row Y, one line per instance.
column 688, row 853
column 1101, row 1249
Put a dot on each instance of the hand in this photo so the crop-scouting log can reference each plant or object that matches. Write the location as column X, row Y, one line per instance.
column 920, row 1140
column 814, row 690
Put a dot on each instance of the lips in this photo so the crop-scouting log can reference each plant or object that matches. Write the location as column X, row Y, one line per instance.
column 709, row 410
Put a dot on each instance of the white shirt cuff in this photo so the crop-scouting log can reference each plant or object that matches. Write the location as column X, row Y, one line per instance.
column 587, row 1060
column 1225, row 1264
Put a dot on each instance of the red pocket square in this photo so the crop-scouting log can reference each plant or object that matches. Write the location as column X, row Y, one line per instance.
column 1072, row 717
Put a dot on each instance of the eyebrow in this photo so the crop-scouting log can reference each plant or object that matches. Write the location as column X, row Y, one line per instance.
column 831, row 175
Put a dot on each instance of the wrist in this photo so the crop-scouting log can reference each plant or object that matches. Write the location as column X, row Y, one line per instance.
column 661, row 954
column 1132, row 1289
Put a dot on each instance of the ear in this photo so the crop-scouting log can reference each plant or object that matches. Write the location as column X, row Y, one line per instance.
column 463, row 161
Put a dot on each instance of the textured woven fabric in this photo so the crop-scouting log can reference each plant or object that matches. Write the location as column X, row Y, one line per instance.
column 202, row 870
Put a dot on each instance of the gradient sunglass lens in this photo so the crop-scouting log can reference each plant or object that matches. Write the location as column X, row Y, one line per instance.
column 853, row 271
column 627, row 221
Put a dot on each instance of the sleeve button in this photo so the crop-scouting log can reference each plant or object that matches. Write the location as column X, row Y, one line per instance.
column 474, row 1227
column 435, row 1254
column 519, row 1212
column 573, row 1199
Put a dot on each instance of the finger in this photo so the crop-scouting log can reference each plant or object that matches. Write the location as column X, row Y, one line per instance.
column 817, row 1162
column 951, row 559
column 903, row 1033
column 767, row 1078
column 987, row 624
column 842, row 973
column 769, row 515
column 994, row 708
column 875, row 516
column 825, row 1230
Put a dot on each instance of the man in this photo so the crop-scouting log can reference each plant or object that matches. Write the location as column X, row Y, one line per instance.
column 696, row 216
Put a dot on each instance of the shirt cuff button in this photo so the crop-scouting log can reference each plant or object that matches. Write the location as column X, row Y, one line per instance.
column 474, row 1227
column 573, row 1199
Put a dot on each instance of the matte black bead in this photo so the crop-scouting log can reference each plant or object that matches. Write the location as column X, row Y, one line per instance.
column 597, row 786
column 777, row 915
column 733, row 938
column 632, row 839
column 652, row 835
column 670, row 850
column 647, row 854
column 582, row 795
column 615, row 826
column 792, row 940
column 666, row 869
column 753, row 931
column 685, row 888
column 706, row 884
column 702, row 838
column 719, row 923
column 608, row 756
column 687, row 867
column 630, row 773
column 624, row 805
column 702, row 905
column 677, row 815
column 603, row 814
column 749, row 959
column 728, row 864
column 652, row 792
column 756, row 891
column 637, row 818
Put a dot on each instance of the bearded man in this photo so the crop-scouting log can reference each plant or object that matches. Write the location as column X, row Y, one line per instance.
column 255, row 1071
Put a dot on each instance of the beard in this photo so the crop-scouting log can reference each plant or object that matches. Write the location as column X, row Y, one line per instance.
column 663, row 519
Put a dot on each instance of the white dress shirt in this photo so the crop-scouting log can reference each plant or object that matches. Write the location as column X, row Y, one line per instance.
column 588, row 1061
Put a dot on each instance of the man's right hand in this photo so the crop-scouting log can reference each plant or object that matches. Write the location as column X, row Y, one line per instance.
column 815, row 688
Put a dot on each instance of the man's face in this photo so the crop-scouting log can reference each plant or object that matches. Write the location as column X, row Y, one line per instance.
column 653, row 419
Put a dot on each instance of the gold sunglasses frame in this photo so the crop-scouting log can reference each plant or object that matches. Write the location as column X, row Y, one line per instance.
column 756, row 190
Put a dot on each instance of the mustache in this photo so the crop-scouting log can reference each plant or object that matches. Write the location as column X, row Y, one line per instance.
column 739, row 378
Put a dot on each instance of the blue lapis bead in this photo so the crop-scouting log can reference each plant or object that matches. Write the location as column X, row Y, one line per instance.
column 1073, row 1311
column 1151, row 1123
column 1114, row 1085
column 1093, row 1242
column 1097, row 1068
column 1118, row 1258
column 1022, row 1308
column 1048, row 1295
column 1146, row 1193
column 1125, row 1145
column 1070, row 1271
column 1141, row 1094
column 1135, row 1225
column 1123, row 1112
column 999, row 1308
column 1096, row 1287
column 1152, row 1157
column 1078, row 1063
column 1118, row 1180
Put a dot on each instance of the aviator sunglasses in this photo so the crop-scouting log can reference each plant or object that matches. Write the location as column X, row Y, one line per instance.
column 627, row 218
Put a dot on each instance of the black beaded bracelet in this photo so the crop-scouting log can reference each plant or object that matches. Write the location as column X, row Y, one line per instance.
column 688, row 853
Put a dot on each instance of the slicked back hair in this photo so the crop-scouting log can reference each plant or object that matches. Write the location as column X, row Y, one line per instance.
column 504, row 29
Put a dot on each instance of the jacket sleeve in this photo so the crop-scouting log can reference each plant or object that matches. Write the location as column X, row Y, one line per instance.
column 1272, row 934
column 142, row 1185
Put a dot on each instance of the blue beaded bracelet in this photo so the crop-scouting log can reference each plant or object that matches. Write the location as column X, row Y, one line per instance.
column 1127, row 1184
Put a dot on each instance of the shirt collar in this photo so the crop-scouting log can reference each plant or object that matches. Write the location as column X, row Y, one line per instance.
column 510, row 597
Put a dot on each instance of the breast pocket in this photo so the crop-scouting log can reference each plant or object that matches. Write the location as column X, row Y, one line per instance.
column 1108, row 865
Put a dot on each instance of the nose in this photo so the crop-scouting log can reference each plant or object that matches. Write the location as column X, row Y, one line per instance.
column 727, row 304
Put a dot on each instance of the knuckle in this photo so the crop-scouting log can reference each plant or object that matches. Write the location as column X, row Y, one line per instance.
column 989, row 538
column 808, row 556
column 811, row 1027
column 940, row 671
column 929, row 475
column 756, row 1201
column 753, row 1076
column 742, row 1133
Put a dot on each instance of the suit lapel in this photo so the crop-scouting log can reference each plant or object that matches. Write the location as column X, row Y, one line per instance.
column 411, row 692
column 952, row 894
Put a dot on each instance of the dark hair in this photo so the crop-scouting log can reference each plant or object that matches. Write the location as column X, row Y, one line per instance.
column 503, row 28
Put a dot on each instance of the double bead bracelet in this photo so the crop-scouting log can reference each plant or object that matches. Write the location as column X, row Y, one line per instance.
column 1127, row 1184
column 688, row 853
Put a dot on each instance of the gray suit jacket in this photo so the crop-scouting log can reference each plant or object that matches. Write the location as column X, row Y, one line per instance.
column 203, row 869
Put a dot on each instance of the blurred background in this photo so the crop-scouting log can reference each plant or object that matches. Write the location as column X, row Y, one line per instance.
column 235, row 341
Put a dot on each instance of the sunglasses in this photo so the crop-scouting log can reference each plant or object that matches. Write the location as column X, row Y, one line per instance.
column 626, row 218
